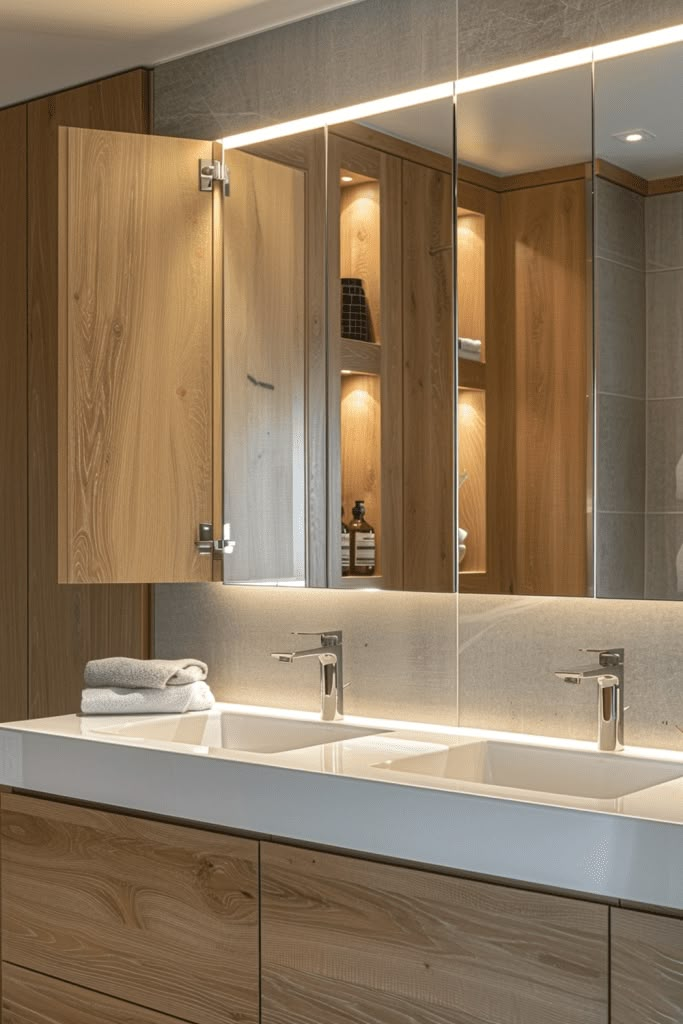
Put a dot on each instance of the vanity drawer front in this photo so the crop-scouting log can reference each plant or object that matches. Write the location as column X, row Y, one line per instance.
column 29, row 998
column 346, row 941
column 647, row 968
column 157, row 914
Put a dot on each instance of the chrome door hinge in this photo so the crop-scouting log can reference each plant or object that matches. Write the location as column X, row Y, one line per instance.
column 206, row 545
column 213, row 170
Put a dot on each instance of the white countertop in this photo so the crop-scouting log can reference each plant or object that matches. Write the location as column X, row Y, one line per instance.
column 345, row 795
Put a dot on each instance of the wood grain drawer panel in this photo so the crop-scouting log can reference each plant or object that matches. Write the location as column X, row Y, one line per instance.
column 345, row 940
column 158, row 914
column 29, row 998
column 647, row 968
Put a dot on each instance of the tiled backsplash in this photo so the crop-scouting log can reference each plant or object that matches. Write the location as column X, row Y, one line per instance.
column 400, row 650
column 401, row 655
column 511, row 646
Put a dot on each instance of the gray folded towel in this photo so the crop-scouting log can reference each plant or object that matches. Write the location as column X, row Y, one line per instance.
column 154, row 674
column 168, row 701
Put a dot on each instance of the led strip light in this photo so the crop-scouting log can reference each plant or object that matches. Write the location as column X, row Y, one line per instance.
column 473, row 83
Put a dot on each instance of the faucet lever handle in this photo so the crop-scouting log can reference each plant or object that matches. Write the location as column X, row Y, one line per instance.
column 327, row 636
column 609, row 657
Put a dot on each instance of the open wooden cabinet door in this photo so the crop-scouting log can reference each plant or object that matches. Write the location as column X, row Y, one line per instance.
column 140, row 343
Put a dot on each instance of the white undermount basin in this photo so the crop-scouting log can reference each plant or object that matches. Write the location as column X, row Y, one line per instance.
column 601, row 776
column 257, row 734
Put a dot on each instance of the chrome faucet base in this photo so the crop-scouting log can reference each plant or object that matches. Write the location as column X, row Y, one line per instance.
column 610, row 680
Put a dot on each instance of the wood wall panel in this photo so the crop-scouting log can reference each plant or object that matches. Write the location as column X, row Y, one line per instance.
column 162, row 915
column 544, row 241
column 647, row 968
column 13, row 416
column 136, row 358
column 67, row 625
column 30, row 998
column 345, row 941
column 428, row 380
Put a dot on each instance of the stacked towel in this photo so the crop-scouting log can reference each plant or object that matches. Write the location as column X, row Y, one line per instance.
column 469, row 348
column 126, row 686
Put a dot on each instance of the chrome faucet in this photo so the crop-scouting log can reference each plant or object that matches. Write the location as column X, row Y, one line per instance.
column 329, row 655
column 610, row 679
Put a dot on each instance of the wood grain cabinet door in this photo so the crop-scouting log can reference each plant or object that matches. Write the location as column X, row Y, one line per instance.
column 155, row 914
column 137, row 341
column 345, row 941
column 30, row 998
column 647, row 968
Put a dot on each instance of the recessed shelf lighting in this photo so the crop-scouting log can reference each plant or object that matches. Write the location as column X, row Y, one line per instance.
column 635, row 135
column 346, row 178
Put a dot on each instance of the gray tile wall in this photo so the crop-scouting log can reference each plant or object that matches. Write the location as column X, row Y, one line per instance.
column 510, row 647
column 664, row 292
column 620, row 313
column 401, row 649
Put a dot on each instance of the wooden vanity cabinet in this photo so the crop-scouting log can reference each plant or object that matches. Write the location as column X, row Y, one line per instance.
column 30, row 998
column 347, row 941
column 646, row 968
column 158, row 915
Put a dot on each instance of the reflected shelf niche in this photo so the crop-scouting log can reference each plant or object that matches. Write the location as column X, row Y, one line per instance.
column 471, row 274
column 360, row 346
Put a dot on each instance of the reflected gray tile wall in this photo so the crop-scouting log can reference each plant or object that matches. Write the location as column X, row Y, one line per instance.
column 400, row 650
column 511, row 646
column 376, row 48
column 664, row 288
column 621, row 353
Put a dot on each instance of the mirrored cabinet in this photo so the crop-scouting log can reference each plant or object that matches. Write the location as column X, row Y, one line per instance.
column 435, row 347
column 524, row 334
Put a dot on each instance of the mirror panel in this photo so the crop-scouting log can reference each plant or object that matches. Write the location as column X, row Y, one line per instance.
column 274, row 372
column 524, row 237
column 390, row 350
column 639, row 321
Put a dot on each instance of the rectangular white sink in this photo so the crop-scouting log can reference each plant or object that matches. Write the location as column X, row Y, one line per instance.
column 257, row 734
column 540, row 769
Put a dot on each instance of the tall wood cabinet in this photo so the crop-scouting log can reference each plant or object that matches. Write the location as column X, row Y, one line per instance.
column 47, row 631
column 13, row 416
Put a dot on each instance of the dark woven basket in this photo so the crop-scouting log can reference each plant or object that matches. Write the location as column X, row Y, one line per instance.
column 354, row 310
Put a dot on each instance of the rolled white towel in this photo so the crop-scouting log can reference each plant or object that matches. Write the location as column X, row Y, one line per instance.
column 124, row 701
column 136, row 674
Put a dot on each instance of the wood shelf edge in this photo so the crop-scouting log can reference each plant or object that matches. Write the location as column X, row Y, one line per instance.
column 471, row 374
column 360, row 356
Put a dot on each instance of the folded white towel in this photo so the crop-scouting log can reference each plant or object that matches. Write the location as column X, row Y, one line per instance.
column 153, row 674
column 469, row 348
column 470, row 344
column 124, row 701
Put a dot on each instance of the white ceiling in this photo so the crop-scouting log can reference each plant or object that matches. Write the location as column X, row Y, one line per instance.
column 546, row 121
column 47, row 45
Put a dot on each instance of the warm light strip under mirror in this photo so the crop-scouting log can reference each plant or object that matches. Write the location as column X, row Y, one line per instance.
column 473, row 83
